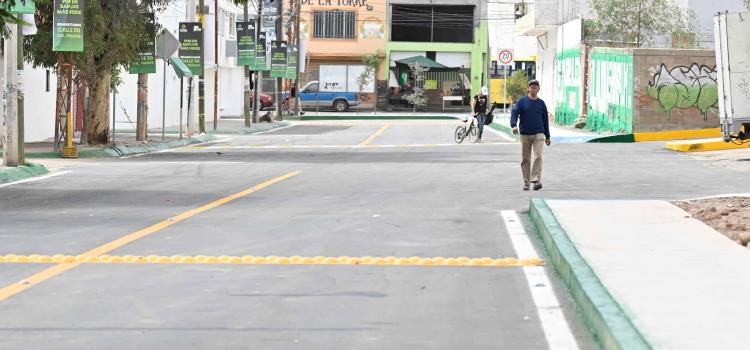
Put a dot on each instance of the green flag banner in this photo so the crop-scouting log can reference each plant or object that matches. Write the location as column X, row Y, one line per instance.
column 246, row 44
column 191, row 51
column 260, row 53
column 278, row 59
column 291, row 62
column 145, row 63
column 23, row 7
column 67, row 27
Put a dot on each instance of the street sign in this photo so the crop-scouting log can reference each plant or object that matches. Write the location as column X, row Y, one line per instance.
column 67, row 26
column 505, row 57
column 166, row 44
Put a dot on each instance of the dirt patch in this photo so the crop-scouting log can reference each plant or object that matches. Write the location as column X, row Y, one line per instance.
column 730, row 216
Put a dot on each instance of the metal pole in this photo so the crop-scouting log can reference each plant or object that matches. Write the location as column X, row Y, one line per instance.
column 259, row 73
column 216, row 59
column 505, row 87
column 182, row 92
column 247, row 94
column 114, row 114
column 10, row 148
column 201, row 81
column 163, row 98
column 299, row 42
column 20, row 91
column 279, row 37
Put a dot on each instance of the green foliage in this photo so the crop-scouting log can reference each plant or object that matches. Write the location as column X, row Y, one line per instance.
column 371, row 63
column 112, row 29
column 417, row 98
column 6, row 17
column 517, row 85
column 639, row 23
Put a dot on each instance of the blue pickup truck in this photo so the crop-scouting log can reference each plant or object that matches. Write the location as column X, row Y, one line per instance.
column 310, row 96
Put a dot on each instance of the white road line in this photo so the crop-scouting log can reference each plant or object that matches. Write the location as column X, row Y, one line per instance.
column 353, row 146
column 34, row 179
column 272, row 130
column 555, row 327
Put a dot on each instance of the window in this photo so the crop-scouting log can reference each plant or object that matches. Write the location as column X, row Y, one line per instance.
column 312, row 88
column 448, row 24
column 334, row 24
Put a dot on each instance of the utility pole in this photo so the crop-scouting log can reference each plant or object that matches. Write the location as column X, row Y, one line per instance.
column 259, row 73
column 247, row 95
column 298, row 37
column 19, row 92
column 10, row 148
column 201, row 82
column 141, row 132
column 279, row 37
column 216, row 60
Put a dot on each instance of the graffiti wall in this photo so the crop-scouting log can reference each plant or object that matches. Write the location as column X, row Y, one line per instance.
column 610, row 91
column 675, row 89
column 569, row 86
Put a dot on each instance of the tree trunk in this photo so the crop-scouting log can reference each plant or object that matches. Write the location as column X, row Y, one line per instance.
column 97, row 129
column 141, row 132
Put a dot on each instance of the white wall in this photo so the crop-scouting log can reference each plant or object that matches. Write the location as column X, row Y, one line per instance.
column 545, row 68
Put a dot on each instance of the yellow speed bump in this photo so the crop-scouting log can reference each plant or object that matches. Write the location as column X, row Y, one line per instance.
column 706, row 145
column 268, row 260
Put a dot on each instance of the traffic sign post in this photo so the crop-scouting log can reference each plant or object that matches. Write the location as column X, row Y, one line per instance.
column 505, row 58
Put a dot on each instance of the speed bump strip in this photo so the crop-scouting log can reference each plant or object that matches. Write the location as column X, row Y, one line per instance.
column 266, row 260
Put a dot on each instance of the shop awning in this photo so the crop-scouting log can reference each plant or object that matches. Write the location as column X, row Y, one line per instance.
column 423, row 61
column 180, row 68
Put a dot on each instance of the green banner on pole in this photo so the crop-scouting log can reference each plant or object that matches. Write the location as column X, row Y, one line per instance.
column 145, row 63
column 291, row 62
column 278, row 59
column 191, row 51
column 23, row 7
column 246, row 44
column 67, row 27
column 260, row 53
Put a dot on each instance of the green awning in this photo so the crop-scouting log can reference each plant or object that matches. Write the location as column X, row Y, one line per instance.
column 180, row 68
column 423, row 61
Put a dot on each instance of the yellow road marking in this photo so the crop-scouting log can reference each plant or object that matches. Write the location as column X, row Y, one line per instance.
column 65, row 260
column 65, row 265
column 677, row 135
column 372, row 137
column 704, row 146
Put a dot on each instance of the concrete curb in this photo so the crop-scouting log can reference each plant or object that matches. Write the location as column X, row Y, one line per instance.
column 122, row 151
column 706, row 145
column 505, row 130
column 660, row 136
column 610, row 325
column 10, row 174
column 257, row 127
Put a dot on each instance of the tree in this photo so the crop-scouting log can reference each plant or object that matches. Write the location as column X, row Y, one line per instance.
column 417, row 98
column 518, row 84
column 639, row 23
column 371, row 63
column 6, row 17
column 112, row 29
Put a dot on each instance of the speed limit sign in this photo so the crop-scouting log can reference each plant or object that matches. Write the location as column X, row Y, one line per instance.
column 505, row 57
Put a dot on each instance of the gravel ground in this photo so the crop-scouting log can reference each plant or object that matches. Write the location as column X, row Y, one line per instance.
column 728, row 215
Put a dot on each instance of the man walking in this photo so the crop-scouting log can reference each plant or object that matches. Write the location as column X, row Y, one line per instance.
column 479, row 109
column 530, row 114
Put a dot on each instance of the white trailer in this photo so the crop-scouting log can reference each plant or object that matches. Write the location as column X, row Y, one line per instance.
column 732, row 36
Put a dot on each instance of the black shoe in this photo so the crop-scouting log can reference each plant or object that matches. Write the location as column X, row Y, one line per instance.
column 537, row 186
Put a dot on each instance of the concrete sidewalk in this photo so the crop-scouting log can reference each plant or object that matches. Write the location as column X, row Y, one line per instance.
column 647, row 275
column 559, row 134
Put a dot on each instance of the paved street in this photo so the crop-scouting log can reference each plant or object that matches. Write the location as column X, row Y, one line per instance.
column 350, row 188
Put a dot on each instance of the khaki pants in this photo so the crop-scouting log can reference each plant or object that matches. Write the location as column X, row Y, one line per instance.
column 527, row 143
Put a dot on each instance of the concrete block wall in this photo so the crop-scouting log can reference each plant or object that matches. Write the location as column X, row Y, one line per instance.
column 674, row 90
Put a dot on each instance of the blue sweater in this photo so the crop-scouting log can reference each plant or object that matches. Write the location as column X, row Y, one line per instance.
column 532, row 115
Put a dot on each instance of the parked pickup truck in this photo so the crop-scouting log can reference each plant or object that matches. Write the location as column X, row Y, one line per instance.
column 310, row 96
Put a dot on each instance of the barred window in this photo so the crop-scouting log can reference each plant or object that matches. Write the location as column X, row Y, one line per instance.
column 334, row 24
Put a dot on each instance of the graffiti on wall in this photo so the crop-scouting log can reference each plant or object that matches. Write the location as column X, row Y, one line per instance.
column 569, row 79
column 685, row 87
column 610, row 92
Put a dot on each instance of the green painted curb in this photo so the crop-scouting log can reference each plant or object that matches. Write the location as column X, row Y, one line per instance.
column 373, row 117
column 625, row 138
column 122, row 151
column 611, row 327
column 505, row 130
column 10, row 174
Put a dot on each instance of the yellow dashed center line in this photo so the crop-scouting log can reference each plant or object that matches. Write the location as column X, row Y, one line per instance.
column 67, row 264
column 266, row 260
column 372, row 137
